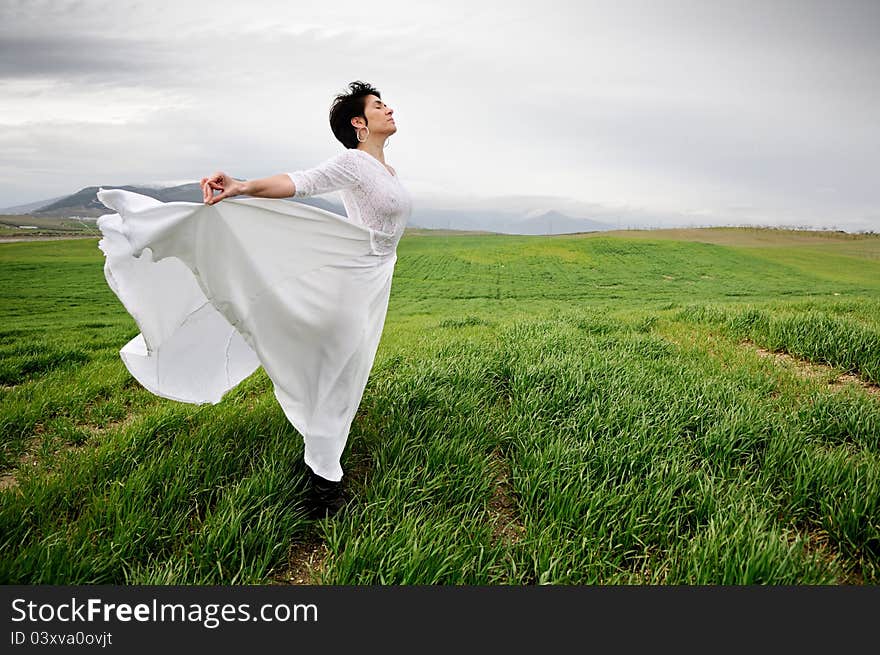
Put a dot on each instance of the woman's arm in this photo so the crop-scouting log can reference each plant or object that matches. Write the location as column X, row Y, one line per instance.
column 274, row 186
column 340, row 171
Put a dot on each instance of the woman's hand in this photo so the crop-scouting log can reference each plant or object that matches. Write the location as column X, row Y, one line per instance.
column 220, row 182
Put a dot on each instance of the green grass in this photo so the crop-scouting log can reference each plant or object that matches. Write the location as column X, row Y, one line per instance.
column 589, row 392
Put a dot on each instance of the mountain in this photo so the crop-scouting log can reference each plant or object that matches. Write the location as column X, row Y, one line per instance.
column 29, row 207
column 85, row 201
column 554, row 222
column 542, row 221
column 506, row 222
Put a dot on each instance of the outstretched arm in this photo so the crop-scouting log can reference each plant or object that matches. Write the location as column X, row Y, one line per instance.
column 274, row 186
column 340, row 171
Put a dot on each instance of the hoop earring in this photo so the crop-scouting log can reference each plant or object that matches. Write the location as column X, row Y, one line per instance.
column 357, row 132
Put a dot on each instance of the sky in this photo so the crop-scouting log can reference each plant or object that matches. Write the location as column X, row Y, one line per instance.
column 724, row 112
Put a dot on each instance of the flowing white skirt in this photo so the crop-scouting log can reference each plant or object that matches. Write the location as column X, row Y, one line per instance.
column 219, row 290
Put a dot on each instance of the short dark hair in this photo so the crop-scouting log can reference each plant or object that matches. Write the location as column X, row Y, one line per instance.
column 345, row 107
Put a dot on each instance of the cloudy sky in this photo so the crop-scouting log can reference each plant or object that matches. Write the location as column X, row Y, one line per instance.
column 698, row 112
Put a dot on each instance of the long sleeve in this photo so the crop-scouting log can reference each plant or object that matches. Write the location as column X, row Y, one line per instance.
column 338, row 172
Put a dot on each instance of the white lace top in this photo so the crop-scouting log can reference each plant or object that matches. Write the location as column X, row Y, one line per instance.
column 373, row 196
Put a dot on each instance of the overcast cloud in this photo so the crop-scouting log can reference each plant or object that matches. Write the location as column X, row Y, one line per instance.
column 697, row 112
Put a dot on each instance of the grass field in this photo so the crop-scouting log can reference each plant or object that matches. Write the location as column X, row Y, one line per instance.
column 669, row 407
column 10, row 226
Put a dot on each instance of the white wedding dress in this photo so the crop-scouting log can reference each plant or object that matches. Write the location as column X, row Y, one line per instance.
column 219, row 290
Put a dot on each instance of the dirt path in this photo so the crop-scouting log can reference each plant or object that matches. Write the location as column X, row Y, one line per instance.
column 813, row 370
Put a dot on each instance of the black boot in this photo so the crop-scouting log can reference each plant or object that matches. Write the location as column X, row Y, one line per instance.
column 327, row 496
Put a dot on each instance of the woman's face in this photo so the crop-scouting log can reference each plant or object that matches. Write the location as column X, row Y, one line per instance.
column 379, row 116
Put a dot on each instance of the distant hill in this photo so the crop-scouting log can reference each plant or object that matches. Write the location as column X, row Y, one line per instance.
column 85, row 203
column 29, row 207
column 504, row 222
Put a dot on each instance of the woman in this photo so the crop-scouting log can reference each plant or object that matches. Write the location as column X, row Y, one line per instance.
column 233, row 285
